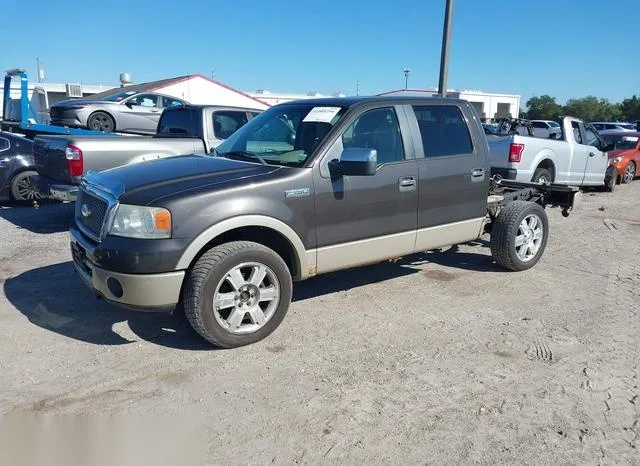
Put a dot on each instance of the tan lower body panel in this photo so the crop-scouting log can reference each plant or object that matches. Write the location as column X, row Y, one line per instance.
column 370, row 251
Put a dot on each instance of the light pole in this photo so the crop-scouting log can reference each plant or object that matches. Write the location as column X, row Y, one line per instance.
column 406, row 77
column 444, row 56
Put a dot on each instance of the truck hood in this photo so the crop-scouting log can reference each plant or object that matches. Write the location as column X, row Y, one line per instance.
column 142, row 182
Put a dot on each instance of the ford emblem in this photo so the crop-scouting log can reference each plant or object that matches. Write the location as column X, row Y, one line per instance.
column 85, row 210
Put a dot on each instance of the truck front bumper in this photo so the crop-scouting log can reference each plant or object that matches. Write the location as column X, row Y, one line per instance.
column 53, row 190
column 140, row 292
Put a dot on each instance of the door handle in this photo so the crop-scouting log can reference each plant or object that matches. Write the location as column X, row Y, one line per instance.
column 407, row 183
column 477, row 172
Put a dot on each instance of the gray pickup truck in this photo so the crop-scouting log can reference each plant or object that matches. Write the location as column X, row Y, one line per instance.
column 61, row 161
column 305, row 188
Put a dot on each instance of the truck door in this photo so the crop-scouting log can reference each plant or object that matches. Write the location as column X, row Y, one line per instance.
column 597, row 161
column 366, row 219
column 579, row 155
column 452, row 173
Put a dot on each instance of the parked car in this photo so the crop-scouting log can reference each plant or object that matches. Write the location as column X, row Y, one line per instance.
column 17, row 168
column 625, row 154
column 578, row 158
column 613, row 125
column 61, row 160
column 547, row 129
column 363, row 180
column 123, row 111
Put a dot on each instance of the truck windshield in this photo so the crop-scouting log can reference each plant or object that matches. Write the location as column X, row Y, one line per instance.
column 282, row 135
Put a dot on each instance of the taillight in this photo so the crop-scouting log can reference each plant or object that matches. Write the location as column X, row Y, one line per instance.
column 74, row 160
column 515, row 152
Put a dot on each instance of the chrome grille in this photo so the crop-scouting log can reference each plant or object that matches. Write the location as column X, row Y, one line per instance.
column 91, row 211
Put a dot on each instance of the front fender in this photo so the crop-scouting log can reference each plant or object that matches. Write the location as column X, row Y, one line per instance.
column 306, row 260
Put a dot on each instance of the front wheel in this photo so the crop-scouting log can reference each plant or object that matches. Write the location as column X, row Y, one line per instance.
column 237, row 293
column 101, row 121
column 519, row 235
column 629, row 173
column 610, row 179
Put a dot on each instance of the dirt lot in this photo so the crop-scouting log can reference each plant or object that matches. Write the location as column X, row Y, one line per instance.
column 440, row 358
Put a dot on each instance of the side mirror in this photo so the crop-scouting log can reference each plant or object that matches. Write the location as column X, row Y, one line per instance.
column 608, row 147
column 129, row 103
column 355, row 161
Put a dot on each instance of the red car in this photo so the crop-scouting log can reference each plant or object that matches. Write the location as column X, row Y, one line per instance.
column 625, row 156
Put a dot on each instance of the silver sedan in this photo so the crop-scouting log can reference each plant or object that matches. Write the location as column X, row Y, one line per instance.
column 123, row 111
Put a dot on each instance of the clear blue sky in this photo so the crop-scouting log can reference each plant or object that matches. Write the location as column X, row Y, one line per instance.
column 563, row 48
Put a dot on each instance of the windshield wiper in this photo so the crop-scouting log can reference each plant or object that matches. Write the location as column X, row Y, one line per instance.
column 242, row 154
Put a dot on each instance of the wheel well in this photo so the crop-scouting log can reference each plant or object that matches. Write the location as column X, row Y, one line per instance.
column 548, row 165
column 262, row 235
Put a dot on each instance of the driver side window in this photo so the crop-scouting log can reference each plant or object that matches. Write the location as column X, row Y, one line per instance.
column 592, row 139
column 376, row 129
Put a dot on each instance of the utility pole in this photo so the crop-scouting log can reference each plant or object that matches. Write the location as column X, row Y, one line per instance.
column 40, row 73
column 444, row 56
column 357, row 87
column 406, row 77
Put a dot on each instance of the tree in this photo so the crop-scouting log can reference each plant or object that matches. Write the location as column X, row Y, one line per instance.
column 591, row 108
column 630, row 109
column 543, row 107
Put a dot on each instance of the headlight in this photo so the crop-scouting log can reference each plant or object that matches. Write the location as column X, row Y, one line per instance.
column 616, row 160
column 133, row 221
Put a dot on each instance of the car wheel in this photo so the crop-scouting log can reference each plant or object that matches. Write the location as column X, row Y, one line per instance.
column 237, row 293
column 610, row 179
column 519, row 235
column 629, row 173
column 542, row 175
column 101, row 121
column 22, row 187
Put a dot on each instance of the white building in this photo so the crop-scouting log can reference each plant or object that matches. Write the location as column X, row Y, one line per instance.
column 488, row 105
column 196, row 89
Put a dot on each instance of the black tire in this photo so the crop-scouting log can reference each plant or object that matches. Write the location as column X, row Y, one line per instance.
column 207, row 274
column 542, row 174
column 22, row 188
column 101, row 121
column 505, row 230
column 629, row 173
column 610, row 179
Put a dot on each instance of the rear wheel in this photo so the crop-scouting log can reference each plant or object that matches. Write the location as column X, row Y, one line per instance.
column 542, row 175
column 101, row 121
column 629, row 173
column 237, row 293
column 519, row 235
column 22, row 187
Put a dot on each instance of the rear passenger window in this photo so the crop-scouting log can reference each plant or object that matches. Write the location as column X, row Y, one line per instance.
column 376, row 129
column 4, row 144
column 443, row 130
column 225, row 123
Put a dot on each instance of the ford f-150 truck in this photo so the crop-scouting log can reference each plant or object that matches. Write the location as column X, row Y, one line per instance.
column 577, row 157
column 305, row 188
column 62, row 160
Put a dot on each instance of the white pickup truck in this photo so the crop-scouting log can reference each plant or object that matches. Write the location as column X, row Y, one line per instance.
column 576, row 157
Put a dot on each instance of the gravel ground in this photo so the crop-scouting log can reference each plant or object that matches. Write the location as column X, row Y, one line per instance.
column 439, row 358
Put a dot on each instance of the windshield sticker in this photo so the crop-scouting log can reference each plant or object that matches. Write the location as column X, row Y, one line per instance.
column 321, row 114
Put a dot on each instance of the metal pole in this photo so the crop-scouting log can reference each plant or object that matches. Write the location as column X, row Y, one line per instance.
column 357, row 87
column 39, row 72
column 444, row 57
